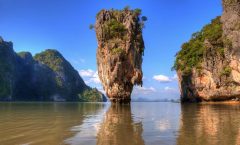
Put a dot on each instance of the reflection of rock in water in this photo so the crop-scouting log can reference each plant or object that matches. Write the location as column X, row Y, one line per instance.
column 42, row 123
column 209, row 125
column 118, row 128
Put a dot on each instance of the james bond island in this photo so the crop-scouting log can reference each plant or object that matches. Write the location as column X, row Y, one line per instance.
column 63, row 84
column 208, row 65
column 120, row 51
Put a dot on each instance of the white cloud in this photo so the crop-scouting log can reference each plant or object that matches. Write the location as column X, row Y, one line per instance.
column 169, row 89
column 154, row 94
column 90, row 76
column 165, row 79
column 143, row 90
column 86, row 73
column 163, row 125
column 95, row 80
column 162, row 78
column 175, row 77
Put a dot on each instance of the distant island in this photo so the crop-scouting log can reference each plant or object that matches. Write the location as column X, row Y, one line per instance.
column 208, row 65
column 47, row 76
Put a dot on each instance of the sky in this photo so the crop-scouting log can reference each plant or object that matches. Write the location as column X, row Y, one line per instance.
column 36, row 25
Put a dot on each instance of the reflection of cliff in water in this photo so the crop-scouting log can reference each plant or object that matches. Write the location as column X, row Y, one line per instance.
column 42, row 123
column 209, row 125
column 119, row 128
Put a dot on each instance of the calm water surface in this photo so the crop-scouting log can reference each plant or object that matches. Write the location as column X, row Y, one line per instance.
column 103, row 124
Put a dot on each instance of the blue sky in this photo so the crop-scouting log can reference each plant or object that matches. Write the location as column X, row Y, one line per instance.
column 35, row 25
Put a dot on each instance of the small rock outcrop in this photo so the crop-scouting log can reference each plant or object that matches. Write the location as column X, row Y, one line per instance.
column 47, row 76
column 208, row 66
column 120, row 51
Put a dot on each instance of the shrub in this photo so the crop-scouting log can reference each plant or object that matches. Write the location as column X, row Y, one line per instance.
column 126, row 8
column 91, row 95
column 137, row 12
column 144, row 18
column 91, row 26
column 114, row 29
column 226, row 71
column 117, row 50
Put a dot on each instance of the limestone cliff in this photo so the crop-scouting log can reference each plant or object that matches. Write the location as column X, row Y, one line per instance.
column 208, row 66
column 47, row 76
column 120, row 51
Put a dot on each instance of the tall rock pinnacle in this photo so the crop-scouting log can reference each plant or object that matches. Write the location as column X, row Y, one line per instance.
column 120, row 51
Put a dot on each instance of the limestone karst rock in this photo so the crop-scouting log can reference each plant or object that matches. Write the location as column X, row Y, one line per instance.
column 47, row 76
column 120, row 51
column 208, row 65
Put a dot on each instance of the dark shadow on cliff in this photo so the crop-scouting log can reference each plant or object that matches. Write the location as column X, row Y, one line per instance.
column 189, row 93
column 119, row 128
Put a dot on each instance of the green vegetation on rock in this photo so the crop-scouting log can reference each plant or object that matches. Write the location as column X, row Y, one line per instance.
column 228, row 2
column 91, row 26
column 117, row 50
column 114, row 29
column 92, row 95
column 137, row 12
column 52, row 58
column 6, row 68
column 23, row 54
column 191, row 54
column 5, row 88
column 226, row 71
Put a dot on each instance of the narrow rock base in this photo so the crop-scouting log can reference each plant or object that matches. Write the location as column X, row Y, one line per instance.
column 120, row 100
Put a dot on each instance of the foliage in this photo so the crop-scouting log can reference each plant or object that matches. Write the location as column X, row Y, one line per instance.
column 137, row 12
column 56, row 62
column 22, row 54
column 91, row 95
column 114, row 29
column 4, row 87
column 52, row 58
column 117, row 50
column 227, row 42
column 6, row 69
column 191, row 54
column 228, row 2
column 126, row 8
column 144, row 18
column 226, row 71
column 91, row 26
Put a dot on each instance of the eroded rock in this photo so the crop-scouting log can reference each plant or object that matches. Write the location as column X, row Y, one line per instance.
column 120, row 51
column 208, row 66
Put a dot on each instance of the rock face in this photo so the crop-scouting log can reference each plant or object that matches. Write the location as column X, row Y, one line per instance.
column 208, row 66
column 119, row 53
column 45, row 77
